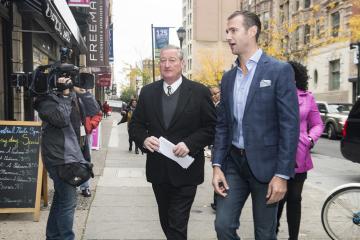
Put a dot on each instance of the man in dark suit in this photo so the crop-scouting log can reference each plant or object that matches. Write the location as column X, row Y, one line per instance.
column 181, row 111
column 256, row 133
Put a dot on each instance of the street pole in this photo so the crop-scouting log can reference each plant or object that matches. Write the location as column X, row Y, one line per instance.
column 354, row 46
column 152, row 51
column 358, row 70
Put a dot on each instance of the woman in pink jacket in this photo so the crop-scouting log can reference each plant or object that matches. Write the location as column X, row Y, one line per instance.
column 311, row 128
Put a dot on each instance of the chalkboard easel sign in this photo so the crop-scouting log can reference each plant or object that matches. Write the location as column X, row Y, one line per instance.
column 21, row 168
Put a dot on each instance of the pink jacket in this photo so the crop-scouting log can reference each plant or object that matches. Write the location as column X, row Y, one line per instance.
column 311, row 125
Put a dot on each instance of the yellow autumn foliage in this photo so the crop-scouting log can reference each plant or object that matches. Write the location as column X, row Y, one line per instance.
column 274, row 39
column 211, row 67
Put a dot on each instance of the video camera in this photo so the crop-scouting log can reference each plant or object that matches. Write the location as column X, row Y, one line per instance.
column 43, row 80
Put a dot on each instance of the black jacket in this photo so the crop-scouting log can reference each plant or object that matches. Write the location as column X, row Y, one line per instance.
column 193, row 123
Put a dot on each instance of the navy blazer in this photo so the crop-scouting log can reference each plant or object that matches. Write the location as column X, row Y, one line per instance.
column 270, row 122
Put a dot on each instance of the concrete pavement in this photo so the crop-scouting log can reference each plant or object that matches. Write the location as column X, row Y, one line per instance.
column 125, row 208
column 123, row 205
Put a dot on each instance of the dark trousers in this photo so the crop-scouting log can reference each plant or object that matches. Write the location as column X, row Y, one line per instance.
column 131, row 145
column 174, row 205
column 293, row 205
column 242, row 183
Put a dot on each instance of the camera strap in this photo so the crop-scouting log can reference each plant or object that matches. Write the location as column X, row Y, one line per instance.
column 82, row 119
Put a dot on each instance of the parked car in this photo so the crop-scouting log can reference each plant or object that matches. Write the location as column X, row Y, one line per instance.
column 350, row 143
column 333, row 116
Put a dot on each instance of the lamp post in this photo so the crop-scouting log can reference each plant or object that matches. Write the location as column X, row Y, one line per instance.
column 181, row 35
column 357, row 47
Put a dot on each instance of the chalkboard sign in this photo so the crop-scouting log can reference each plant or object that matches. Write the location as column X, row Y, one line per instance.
column 20, row 167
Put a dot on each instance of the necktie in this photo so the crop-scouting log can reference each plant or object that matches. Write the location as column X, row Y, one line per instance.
column 169, row 90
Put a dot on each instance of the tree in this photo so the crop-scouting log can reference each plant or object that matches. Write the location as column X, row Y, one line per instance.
column 142, row 70
column 127, row 94
column 212, row 67
column 354, row 21
column 295, row 36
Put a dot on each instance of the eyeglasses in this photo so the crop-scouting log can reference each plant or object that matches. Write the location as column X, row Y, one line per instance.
column 170, row 60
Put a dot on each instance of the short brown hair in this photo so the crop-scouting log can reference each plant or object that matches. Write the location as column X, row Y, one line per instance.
column 250, row 19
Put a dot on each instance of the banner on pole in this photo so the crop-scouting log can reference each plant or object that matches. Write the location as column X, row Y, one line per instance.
column 111, row 49
column 161, row 39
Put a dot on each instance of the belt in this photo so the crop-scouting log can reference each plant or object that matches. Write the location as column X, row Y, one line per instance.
column 239, row 151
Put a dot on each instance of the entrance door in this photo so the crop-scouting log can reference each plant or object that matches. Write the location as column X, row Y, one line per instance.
column 2, row 75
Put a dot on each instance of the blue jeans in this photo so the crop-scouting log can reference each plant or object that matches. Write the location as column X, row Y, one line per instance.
column 242, row 183
column 61, row 217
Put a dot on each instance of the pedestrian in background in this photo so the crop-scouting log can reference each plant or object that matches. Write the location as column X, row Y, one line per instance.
column 91, row 123
column 106, row 109
column 127, row 114
column 256, row 132
column 311, row 128
column 215, row 96
column 181, row 111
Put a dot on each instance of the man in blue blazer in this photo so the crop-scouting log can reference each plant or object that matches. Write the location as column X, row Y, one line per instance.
column 256, row 133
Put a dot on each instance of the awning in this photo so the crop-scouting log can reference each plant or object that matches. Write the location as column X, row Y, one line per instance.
column 55, row 17
column 58, row 13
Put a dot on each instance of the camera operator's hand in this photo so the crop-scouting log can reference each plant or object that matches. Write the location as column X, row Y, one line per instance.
column 79, row 90
column 64, row 80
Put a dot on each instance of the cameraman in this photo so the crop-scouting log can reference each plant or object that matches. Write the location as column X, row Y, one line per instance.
column 64, row 141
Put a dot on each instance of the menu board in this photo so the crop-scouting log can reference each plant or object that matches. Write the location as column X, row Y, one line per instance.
column 20, row 166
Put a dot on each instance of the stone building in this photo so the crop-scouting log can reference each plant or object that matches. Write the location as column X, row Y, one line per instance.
column 315, row 32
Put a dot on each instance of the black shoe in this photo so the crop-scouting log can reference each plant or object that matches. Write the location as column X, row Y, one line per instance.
column 136, row 151
column 86, row 192
column 130, row 149
column 213, row 206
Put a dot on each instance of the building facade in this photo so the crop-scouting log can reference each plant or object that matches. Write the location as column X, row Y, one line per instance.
column 205, row 24
column 315, row 32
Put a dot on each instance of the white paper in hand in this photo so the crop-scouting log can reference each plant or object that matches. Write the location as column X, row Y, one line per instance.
column 166, row 149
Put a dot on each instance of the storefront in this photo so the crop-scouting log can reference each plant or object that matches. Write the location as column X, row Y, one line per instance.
column 5, row 50
column 46, row 26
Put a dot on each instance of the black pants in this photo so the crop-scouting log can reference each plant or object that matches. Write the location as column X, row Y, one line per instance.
column 174, row 205
column 293, row 205
column 131, row 144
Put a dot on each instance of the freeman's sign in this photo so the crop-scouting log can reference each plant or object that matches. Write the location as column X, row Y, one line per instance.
column 96, row 34
column 52, row 15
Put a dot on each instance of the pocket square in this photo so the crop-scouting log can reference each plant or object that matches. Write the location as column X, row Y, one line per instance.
column 265, row 83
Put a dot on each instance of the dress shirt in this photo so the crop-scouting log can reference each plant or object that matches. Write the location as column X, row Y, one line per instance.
column 174, row 86
column 240, row 94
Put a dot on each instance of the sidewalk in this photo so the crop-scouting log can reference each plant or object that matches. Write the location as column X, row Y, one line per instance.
column 124, row 207
column 20, row 226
